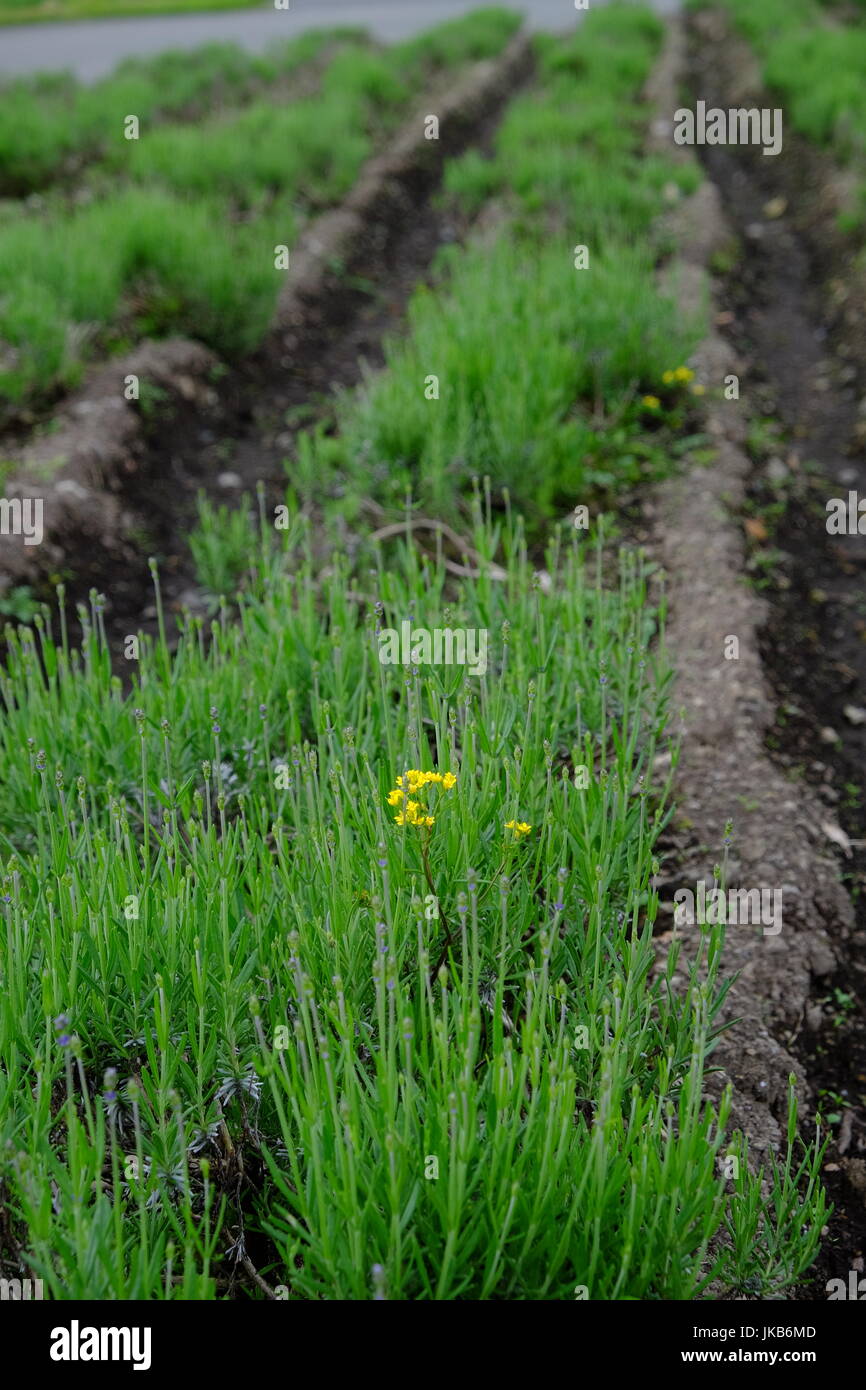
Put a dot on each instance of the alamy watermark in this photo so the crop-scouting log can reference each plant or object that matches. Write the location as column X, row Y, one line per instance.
column 855, row 1291
column 22, row 517
column 77, row 1343
column 715, row 906
column 737, row 126
column 846, row 517
column 421, row 646
column 21, row 1290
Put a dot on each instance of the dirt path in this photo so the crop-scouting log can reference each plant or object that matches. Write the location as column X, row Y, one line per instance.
column 771, row 741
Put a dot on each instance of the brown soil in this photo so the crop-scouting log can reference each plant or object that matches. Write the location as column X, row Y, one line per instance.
column 798, row 349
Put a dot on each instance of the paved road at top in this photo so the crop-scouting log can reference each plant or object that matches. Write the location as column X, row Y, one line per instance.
column 91, row 48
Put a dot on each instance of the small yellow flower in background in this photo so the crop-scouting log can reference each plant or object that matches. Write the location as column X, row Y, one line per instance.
column 519, row 827
column 412, row 782
column 698, row 390
column 651, row 402
column 670, row 377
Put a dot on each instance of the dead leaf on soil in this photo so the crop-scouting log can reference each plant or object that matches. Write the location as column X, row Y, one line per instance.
column 755, row 528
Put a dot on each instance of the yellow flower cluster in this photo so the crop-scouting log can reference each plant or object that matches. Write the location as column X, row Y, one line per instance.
column 415, row 780
column 519, row 827
column 651, row 402
column 678, row 374
column 412, row 814
column 415, row 812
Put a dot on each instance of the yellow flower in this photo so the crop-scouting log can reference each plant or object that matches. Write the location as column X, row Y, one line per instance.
column 651, row 402
column 519, row 827
column 668, row 377
column 698, row 390
column 415, row 812
column 683, row 373
column 413, row 815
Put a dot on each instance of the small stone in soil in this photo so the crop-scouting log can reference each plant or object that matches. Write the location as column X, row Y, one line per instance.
column 776, row 470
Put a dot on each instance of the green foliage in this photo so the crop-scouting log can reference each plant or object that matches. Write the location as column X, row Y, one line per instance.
column 246, row 1009
column 37, row 11
column 770, row 1244
column 517, row 337
column 221, row 545
column 50, row 124
column 538, row 364
column 205, row 889
column 817, row 69
column 481, row 34
column 264, row 149
column 820, row 75
column 179, row 229
column 19, row 603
